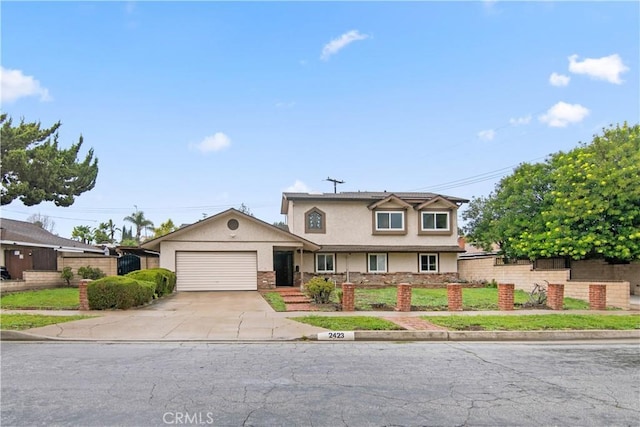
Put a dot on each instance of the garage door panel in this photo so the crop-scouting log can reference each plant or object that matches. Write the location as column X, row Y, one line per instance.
column 216, row 271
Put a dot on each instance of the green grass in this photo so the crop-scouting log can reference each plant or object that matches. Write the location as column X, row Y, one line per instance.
column 18, row 322
column 349, row 323
column 436, row 299
column 275, row 301
column 536, row 322
column 44, row 299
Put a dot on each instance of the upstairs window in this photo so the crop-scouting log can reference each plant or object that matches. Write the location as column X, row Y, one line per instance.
column 315, row 221
column 389, row 221
column 435, row 221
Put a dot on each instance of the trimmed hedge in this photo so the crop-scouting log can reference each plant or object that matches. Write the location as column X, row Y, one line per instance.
column 118, row 292
column 164, row 279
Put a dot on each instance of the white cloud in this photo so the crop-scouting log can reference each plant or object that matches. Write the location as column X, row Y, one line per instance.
column 16, row 85
column 559, row 79
column 606, row 68
column 216, row 142
column 298, row 187
column 487, row 135
column 563, row 114
column 335, row 45
column 520, row 120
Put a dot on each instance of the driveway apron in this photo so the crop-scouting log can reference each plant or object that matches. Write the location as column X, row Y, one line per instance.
column 187, row 316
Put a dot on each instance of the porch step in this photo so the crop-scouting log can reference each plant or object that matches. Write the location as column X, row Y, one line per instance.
column 301, row 307
column 293, row 299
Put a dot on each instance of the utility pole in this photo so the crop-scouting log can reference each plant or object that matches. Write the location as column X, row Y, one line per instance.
column 335, row 183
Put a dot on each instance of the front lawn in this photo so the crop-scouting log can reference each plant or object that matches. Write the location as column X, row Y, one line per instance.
column 349, row 323
column 43, row 299
column 536, row 322
column 436, row 299
column 19, row 322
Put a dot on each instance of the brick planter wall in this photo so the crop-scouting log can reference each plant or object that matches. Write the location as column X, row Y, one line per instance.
column 555, row 296
column 404, row 297
column 597, row 297
column 454, row 297
column 82, row 292
column 348, row 297
column 505, row 296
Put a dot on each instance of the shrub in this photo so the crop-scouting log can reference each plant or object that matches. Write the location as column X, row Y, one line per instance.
column 319, row 290
column 164, row 279
column 492, row 284
column 118, row 292
column 92, row 273
column 67, row 275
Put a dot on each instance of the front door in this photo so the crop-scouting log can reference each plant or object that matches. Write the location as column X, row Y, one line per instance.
column 283, row 266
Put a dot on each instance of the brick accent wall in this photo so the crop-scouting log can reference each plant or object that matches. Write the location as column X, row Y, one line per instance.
column 348, row 297
column 597, row 297
column 388, row 279
column 266, row 279
column 404, row 297
column 454, row 297
column 555, row 296
column 505, row 296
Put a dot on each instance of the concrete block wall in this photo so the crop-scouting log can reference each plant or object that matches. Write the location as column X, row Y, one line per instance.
column 522, row 276
column 108, row 264
column 617, row 292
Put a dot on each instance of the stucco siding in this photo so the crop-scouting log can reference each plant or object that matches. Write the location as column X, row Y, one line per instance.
column 351, row 223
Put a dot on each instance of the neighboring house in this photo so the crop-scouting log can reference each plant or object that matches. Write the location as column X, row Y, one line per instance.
column 25, row 246
column 363, row 237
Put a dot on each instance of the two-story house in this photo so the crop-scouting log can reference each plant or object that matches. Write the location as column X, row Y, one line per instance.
column 377, row 237
column 361, row 237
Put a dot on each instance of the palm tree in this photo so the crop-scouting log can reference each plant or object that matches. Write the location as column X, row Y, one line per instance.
column 82, row 233
column 141, row 223
column 110, row 229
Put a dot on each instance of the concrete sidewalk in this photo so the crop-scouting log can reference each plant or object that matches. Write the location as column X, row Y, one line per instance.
column 246, row 316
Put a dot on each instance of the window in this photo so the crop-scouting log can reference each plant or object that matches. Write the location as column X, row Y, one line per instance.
column 314, row 221
column 435, row 221
column 390, row 221
column 378, row 263
column 325, row 263
column 428, row 263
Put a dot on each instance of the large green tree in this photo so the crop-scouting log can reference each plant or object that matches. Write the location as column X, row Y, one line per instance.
column 36, row 169
column 140, row 222
column 581, row 204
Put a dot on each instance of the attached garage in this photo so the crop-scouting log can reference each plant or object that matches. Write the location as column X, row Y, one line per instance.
column 230, row 251
column 216, row 271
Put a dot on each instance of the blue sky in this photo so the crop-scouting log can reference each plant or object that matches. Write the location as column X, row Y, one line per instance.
column 193, row 108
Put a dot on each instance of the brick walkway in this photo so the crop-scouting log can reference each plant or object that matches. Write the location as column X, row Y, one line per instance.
column 295, row 300
column 415, row 324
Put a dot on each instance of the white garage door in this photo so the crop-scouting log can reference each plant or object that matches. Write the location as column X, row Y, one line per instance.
column 216, row 271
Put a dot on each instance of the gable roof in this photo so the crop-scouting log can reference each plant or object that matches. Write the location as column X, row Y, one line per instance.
column 22, row 233
column 412, row 198
column 155, row 243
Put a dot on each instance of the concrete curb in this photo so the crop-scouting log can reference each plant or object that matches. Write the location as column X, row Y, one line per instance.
column 434, row 336
column 495, row 335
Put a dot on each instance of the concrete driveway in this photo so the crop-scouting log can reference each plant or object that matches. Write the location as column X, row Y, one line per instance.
column 187, row 316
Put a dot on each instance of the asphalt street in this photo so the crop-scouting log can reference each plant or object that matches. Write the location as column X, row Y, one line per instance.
column 320, row 384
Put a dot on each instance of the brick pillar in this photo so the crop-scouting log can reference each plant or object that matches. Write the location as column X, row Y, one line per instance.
column 454, row 297
column 555, row 296
column 505, row 296
column 404, row 297
column 82, row 291
column 597, row 297
column 348, row 297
